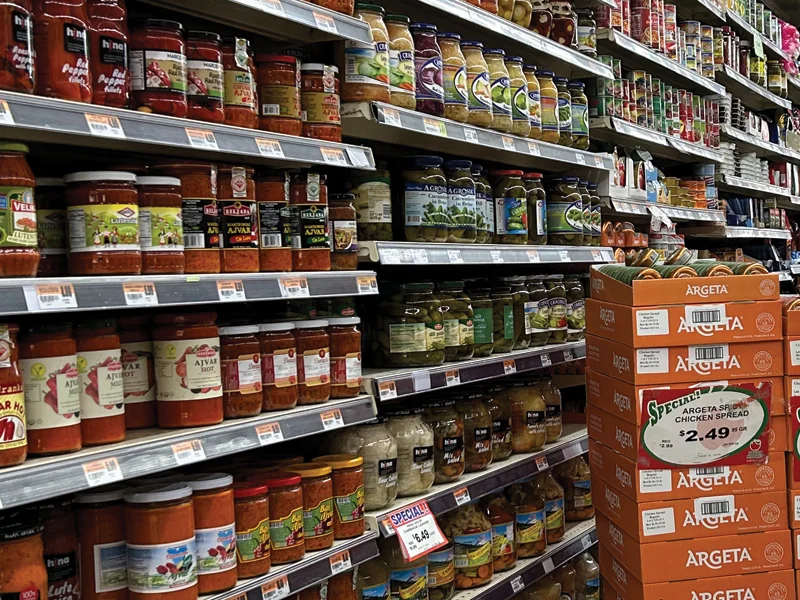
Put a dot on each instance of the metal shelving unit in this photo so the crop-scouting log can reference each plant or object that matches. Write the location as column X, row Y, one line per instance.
column 706, row 11
column 676, row 213
column 409, row 253
column 749, row 33
column 762, row 148
column 737, row 185
column 751, row 94
column 729, row 232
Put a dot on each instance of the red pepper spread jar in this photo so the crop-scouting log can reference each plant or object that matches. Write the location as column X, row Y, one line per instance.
column 158, row 67
column 313, row 362
column 241, row 99
column 308, row 207
column 108, row 22
column 205, row 85
column 241, row 371
column 17, row 73
column 279, row 94
column 278, row 365
column 138, row 372
column 19, row 254
column 13, row 439
column 274, row 221
column 238, row 220
column 319, row 97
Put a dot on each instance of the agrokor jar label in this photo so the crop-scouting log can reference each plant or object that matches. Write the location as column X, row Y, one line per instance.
column 719, row 425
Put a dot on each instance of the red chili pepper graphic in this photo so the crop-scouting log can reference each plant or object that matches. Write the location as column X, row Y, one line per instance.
column 154, row 70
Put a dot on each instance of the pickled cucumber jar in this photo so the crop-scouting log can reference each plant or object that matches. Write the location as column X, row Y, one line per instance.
column 510, row 207
column 580, row 115
column 549, row 98
column 503, row 318
column 564, row 212
column 534, row 101
column 457, row 316
column 424, row 200
column 520, row 109
column 557, row 299
column 483, row 322
column 597, row 216
column 373, row 202
column 461, row 204
column 564, row 111
column 483, row 202
column 537, row 311
column 586, row 217
column 576, row 309
column 519, row 292
column 448, row 440
column 537, row 208
column 478, row 85
column 500, row 89
column 499, row 406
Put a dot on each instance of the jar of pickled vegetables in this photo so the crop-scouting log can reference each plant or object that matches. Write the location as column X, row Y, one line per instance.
column 519, row 292
column 534, row 101
column 510, row 207
column 580, row 115
column 477, row 431
column 501, row 516
column 448, row 440
column 483, row 321
column 564, row 212
column 457, row 315
column 520, row 108
column 470, row 530
column 478, row 84
column 557, row 299
column 499, row 406
column 537, row 208
column 564, row 111
column 529, row 506
column 454, row 77
column 549, row 96
column 537, row 311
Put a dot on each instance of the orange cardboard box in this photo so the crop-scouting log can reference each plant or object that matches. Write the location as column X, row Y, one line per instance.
column 659, row 485
column 691, row 364
column 791, row 322
column 681, row 560
column 701, row 290
column 625, row 399
column 791, row 355
column 683, row 325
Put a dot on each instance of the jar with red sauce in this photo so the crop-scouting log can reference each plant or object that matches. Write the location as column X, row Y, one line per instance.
column 279, row 94
column 319, row 97
column 13, row 438
column 345, row 7
column 274, row 221
column 204, row 81
column 61, row 548
column 61, row 41
column 317, row 504
column 239, row 73
column 19, row 252
column 278, row 365
column 238, row 220
column 241, row 371
column 18, row 71
column 22, row 555
column 251, row 504
column 186, row 351
column 308, row 206
column 345, row 341
column 138, row 371
column 51, row 225
column 158, row 67
column 103, row 218
column 161, row 225
column 48, row 362
column 214, row 531
column 286, row 538
column 102, row 394
column 108, row 31
column 314, row 362
column 348, row 494
column 343, row 232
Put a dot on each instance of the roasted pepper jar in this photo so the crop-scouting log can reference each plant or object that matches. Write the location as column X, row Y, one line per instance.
column 204, row 81
column 278, row 365
column 18, row 73
column 158, row 67
column 274, row 221
column 13, row 442
column 343, row 232
column 308, row 209
column 239, row 75
column 108, row 22
column 138, row 371
column 51, row 223
column 238, row 220
column 279, row 94
column 348, row 494
column 161, row 225
column 19, row 251
column 241, row 371
column 345, row 344
column 313, row 364
column 286, row 538
column 317, row 504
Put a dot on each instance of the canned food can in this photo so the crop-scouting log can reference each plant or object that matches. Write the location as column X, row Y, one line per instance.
column 605, row 59
column 616, row 67
column 690, row 27
column 626, row 110
column 657, row 86
column 656, row 29
column 640, row 99
column 638, row 79
column 633, row 111
column 618, row 89
column 670, row 13
column 706, row 31
column 691, row 64
column 641, row 116
column 648, row 86
column 667, row 95
column 707, row 46
column 625, row 9
column 618, row 112
column 641, row 25
column 601, row 106
column 600, row 86
column 671, row 50
column 626, row 90
column 707, row 71
column 602, row 16
column 640, row 4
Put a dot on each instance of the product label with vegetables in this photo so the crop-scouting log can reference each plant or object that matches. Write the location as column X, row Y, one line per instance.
column 480, row 92
column 466, row 332
column 318, row 521
column 253, row 544
column 473, row 550
column 453, row 450
column 549, row 113
column 530, row 526
column 52, row 231
column 110, row 567
column 344, row 235
column 416, row 337
column 583, row 493
column 564, row 114
column 461, row 207
column 350, row 508
column 503, row 539
column 580, row 119
column 280, row 368
column 429, row 78
column 204, row 79
column 162, row 568
column 187, row 370
column 558, row 314
column 286, row 531
column 576, row 316
column 409, row 584
column 483, row 326
column 315, row 367
column 12, row 419
column 366, row 63
column 501, row 96
column 520, row 109
column 425, row 205
column 156, row 70
column 441, row 569
column 103, row 227
column 17, row 217
column 554, row 513
column 216, row 549
column 537, row 316
column 138, row 378
column 451, row 333
column 102, row 391
column 402, row 72
column 52, row 391
column 535, row 105
column 565, row 217
column 511, row 216
column 381, row 591
column 455, row 85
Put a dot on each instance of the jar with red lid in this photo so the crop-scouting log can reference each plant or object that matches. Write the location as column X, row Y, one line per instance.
column 279, row 94
column 313, row 362
column 102, row 394
column 204, row 82
column 251, row 505
column 51, row 225
column 278, row 365
column 345, row 342
column 238, row 220
column 161, row 225
column 19, row 252
column 158, row 67
column 319, row 97
column 239, row 73
column 241, row 371
column 274, row 221
column 138, row 371
column 18, row 71
column 48, row 362
column 61, row 41
column 286, row 537
column 186, row 353
column 343, row 232
column 308, row 207
column 108, row 31
column 13, row 441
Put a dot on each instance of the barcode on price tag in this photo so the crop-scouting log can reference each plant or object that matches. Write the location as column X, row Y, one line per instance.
column 517, row 584
column 334, row 156
column 508, row 143
column 325, row 23
column 54, row 297
column 275, row 589
column 340, row 562
column 297, row 287
column 497, row 256
column 579, row 158
column 454, row 256
column 101, row 472
column 6, row 118
column 452, row 378
column 269, row 433
column 391, row 117
column 509, row 366
column 586, row 541
column 140, row 294
column 231, row 291
column 273, row 6
column 461, row 496
column 568, row 355
column 546, row 361
column 105, row 126
column 270, row 148
column 331, row 419
column 542, row 464
column 417, row 530
column 533, row 256
column 188, row 452
column 202, row 138
column 387, row 390
column 470, row 135
column 367, row 284
column 533, row 148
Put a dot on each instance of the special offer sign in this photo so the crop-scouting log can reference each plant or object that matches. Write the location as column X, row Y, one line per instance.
column 417, row 530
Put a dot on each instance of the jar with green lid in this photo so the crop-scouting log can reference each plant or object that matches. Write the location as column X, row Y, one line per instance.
column 477, row 431
column 484, row 218
column 478, row 85
column 483, row 322
column 548, row 93
column 520, row 109
column 461, row 207
column 510, row 207
column 372, row 582
column 597, row 216
column 564, row 212
column 373, row 203
column 534, row 101
column 580, row 115
column 409, row 327
column 587, row 32
column 424, row 200
column 557, row 299
column 576, row 309
column 454, row 77
column 500, row 89
column 407, row 580
column 503, row 318
column 586, row 217
column 537, row 311
column 564, row 111
column 441, row 573
column 448, row 440
column 457, row 315
column 537, row 208
column 519, row 292
column 499, row 406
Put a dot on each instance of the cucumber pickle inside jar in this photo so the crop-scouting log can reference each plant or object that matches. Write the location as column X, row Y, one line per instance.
column 424, row 200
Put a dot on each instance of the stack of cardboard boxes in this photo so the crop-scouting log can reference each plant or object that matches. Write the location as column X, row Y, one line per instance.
column 677, row 533
column 791, row 355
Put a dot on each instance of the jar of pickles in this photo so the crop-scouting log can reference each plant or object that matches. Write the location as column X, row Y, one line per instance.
column 576, row 309
column 457, row 314
column 510, row 207
column 478, row 84
column 537, row 208
column 564, row 111
column 500, row 89
column 580, row 115
column 549, row 95
column 519, row 293
column 520, row 109
column 484, row 205
column 502, row 318
column 564, row 212
column 557, row 299
column 537, row 311
column 454, row 70
column 483, row 321
column 423, row 198
column 534, row 101
column 448, row 440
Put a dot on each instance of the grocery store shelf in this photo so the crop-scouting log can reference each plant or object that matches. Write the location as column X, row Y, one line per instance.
column 413, row 253
column 785, row 276
column 635, row 55
column 149, row 451
column 53, row 121
column 749, row 33
column 739, row 233
column 763, row 149
column 281, row 19
column 750, row 93
column 676, row 213
column 794, row 89
column 737, row 185
column 379, row 122
column 708, row 12
column 73, row 294
column 447, row 496
column 398, row 383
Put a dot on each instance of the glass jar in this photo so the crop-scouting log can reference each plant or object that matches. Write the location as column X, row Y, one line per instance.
column 61, row 547
column 23, row 556
column 319, row 99
column 158, row 68
column 501, row 516
column 13, row 445
column 238, row 220
column 345, row 342
column 553, row 505
column 241, row 371
column 565, row 22
column 448, row 440
column 520, row 106
column 521, row 13
column 574, row 477
column 519, row 292
column 429, row 72
column 542, row 17
column 348, row 494
column 454, row 82
column 366, row 66
column 108, row 32
column 415, row 456
column 341, row 6
column 549, row 95
column 597, row 216
column 487, row 5
column 587, row 32
column 576, row 309
column 308, row 213
column 502, row 318
column 457, row 315
column 441, row 573
column 557, row 299
column 313, row 362
column 483, row 201
column 407, row 580
column 478, row 85
column 510, row 207
column 51, row 225
column 529, row 506
column 274, row 221
column 205, row 88
column 499, row 407
column 461, row 202
column 278, row 350
column 552, row 399
column 161, row 225
column 537, row 311
column 477, row 431
column 587, row 577
column 402, row 71
column 537, row 208
column 483, row 321
column 470, row 531
column 373, row 203
column 343, row 233
column 534, row 101
column 373, row 580
column 564, row 111
column 19, row 251
column 500, row 89
column 564, row 212
column 528, row 417
column 424, row 200
column 19, row 73
column 775, row 77
column 586, row 215
column 251, row 507
column 580, row 115
column 279, row 94
column 286, row 539
column 138, row 371
column 239, row 78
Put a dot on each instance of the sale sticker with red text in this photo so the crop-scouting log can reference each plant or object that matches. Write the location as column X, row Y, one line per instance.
column 417, row 530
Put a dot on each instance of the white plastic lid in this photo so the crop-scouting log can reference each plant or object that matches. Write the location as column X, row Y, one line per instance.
column 317, row 67
column 344, row 320
column 238, row 330
column 147, row 180
column 158, row 493
column 110, row 494
column 100, row 176
column 276, row 326
column 314, row 324
column 50, row 182
column 208, row 481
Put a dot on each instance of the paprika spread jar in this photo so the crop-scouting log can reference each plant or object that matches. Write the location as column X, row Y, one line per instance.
column 13, row 441
column 345, row 340
column 138, row 371
column 161, row 225
column 109, row 53
column 279, row 94
column 186, row 352
column 428, row 62
column 342, row 6
column 22, row 557
column 204, row 82
column 18, row 73
column 317, row 504
column 274, row 222
column 313, row 365
column 241, row 371
column 158, row 68
column 278, row 365
column 51, row 225
column 285, row 516
column 251, row 506
column 319, row 97
column 348, row 494
column 308, row 209
column 238, row 220
column 239, row 69
column 19, row 252
column 103, row 216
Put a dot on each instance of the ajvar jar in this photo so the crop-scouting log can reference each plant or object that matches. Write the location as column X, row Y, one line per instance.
column 61, row 41
column 238, row 220
column 286, row 538
column 102, row 395
column 61, row 548
column 138, row 371
column 204, row 81
column 241, row 371
column 308, row 209
column 317, row 504
column 161, row 225
column 239, row 74
column 48, row 362
column 274, row 222
column 51, row 225
column 103, row 216
column 319, row 98
column 108, row 31
column 100, row 521
column 278, row 365
column 348, row 494
column 251, row 506
column 159, row 526
column 22, row 557
column 313, row 364
column 402, row 72
column 343, row 6
column 345, row 344
column 186, row 351
column 343, row 232
column 279, row 94
column 158, row 67
column 199, row 213
column 13, row 442
column 18, row 72
column 214, row 531
column 365, row 66
column 19, row 252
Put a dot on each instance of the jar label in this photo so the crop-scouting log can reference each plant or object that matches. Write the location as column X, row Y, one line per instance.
column 157, row 70
column 52, row 391
column 461, row 207
column 102, row 387
column 216, row 549
column 62, row 576
column 558, row 314
column 346, row 370
column 511, row 216
column 138, row 372
column 161, row 229
column 12, row 419
column 564, row 114
column 535, row 108
column 76, row 48
column 112, row 77
column 455, row 85
column 587, row 220
column 565, row 217
column 321, row 108
column 280, row 101
column 583, row 493
column 376, row 592
column 422, row 459
column 279, row 368
column 554, row 513
column 576, row 316
column 160, row 568
column 501, row 432
column 501, row 96
column 409, row 584
column 483, row 329
column 536, row 320
column 288, row 531
column 508, row 322
column 200, row 223
column 539, row 226
column 441, row 568
column 19, row 52
column 587, row 39
column 483, row 439
column 309, row 226
column 344, row 237
column 318, row 521
column 275, row 225
column 451, row 333
column 52, row 231
column 554, row 415
column 204, row 79
column 473, row 550
column 597, row 218
column 238, row 224
column 187, row 369
column 520, row 108
column 416, row 337
column 17, row 217
column 549, row 113
column 425, row 205
column 402, row 72
column 480, row 92
column 110, row 567
column 366, row 63
column 453, row 450
column 429, row 78
column 530, row 527
column 387, row 471
column 104, row 228
column 503, row 539
column 240, row 89
column 481, row 208
column 253, row 544
column 315, row 368
column 350, row 508
column 580, row 120
column 535, row 421
column 242, row 374
column 373, row 202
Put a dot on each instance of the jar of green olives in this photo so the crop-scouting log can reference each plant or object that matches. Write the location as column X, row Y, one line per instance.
column 576, row 309
column 510, row 207
column 557, row 299
column 424, row 200
column 519, row 292
column 564, row 212
column 457, row 317
column 484, row 216
column 537, row 311
column 537, row 208
column 564, row 111
column 502, row 317
column 483, row 322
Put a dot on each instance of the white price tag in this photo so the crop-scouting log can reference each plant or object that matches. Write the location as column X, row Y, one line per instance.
column 274, row 6
column 331, row 419
column 452, row 378
column 564, row 255
column 508, row 143
column 269, row 433
column 102, row 472
column 275, row 589
column 358, row 158
column 334, row 156
column 387, row 390
column 231, row 291
column 6, row 118
column 517, row 584
column 140, row 294
column 598, row 162
column 418, row 257
column 417, row 530
column 568, row 356
column 572, row 451
column 340, row 562
column 548, row 565
column 471, row 135
column 422, row 381
column 454, row 256
column 296, row 287
column 56, row 297
column 201, row 138
column 579, row 158
column 533, row 256
column 586, row 541
column 391, row 117
column 546, row 361
column 270, row 148
column 325, row 23
column 497, row 256
column 542, row 464
column 509, row 366
column 435, row 127
column 597, row 255
column 533, row 149
column 105, row 126
column 367, row 284
column 188, row 452
column 461, row 496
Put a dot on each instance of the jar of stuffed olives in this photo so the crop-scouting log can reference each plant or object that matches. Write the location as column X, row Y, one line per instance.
column 483, row 322
column 477, row 431
column 424, row 200
column 510, row 207
column 557, row 299
column 576, row 309
column 564, row 212
column 519, row 292
column 586, row 204
column 537, row 311
column 461, row 208
column 484, row 207
column 499, row 406
column 457, row 315
column 448, row 440
column 537, row 208
column 502, row 318
column 580, row 115
column 564, row 111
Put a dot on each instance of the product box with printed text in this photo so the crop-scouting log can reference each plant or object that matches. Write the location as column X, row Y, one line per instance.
column 794, row 508
column 791, row 354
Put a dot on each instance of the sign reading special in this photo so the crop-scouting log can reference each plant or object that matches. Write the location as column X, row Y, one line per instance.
column 709, row 426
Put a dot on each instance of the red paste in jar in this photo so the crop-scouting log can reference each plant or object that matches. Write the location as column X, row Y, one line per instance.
column 158, row 67
column 51, row 223
column 313, row 362
column 241, row 371
column 279, row 94
column 238, row 220
column 17, row 73
column 241, row 98
column 109, row 55
column 274, row 221
column 13, row 440
column 278, row 365
column 204, row 80
column 161, row 224
column 19, row 254
column 308, row 207
column 138, row 372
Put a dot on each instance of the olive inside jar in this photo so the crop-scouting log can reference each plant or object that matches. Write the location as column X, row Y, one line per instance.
column 457, row 314
column 510, row 207
column 424, row 200
column 461, row 202
column 448, row 440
